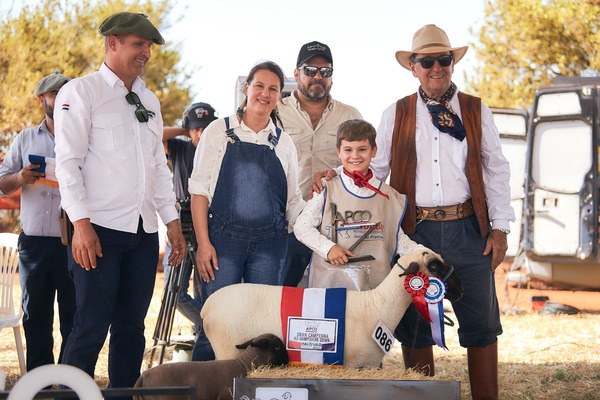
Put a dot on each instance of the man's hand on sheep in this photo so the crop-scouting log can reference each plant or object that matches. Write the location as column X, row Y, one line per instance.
column 206, row 258
column 338, row 255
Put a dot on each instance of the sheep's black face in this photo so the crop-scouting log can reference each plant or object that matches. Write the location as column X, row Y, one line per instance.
column 440, row 269
column 272, row 344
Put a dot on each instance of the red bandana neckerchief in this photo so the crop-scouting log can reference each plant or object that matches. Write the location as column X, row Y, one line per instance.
column 361, row 180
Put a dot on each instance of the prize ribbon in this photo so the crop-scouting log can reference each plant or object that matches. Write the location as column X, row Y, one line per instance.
column 433, row 296
column 416, row 285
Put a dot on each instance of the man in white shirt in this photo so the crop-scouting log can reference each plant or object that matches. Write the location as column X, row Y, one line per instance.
column 42, row 257
column 113, row 178
column 311, row 117
column 443, row 151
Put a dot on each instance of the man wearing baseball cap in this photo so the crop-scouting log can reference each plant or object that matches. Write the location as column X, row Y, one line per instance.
column 181, row 152
column 42, row 258
column 311, row 117
column 443, row 151
column 114, row 180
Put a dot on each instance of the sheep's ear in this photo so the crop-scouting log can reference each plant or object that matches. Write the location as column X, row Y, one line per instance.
column 413, row 268
column 260, row 343
column 243, row 345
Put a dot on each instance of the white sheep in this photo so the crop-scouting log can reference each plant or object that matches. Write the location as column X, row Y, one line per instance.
column 214, row 379
column 238, row 312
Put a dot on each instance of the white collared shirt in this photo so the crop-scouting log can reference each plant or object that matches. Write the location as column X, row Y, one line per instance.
column 211, row 150
column 441, row 163
column 111, row 168
column 40, row 203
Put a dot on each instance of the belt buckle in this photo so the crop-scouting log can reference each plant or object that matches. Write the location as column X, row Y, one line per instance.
column 439, row 214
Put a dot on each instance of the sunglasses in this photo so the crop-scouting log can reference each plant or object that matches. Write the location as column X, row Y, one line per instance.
column 325, row 72
column 141, row 113
column 428, row 62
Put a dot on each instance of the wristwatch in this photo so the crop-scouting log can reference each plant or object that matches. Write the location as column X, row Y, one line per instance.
column 505, row 231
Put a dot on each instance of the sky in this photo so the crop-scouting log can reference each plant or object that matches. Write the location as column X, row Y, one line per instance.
column 223, row 39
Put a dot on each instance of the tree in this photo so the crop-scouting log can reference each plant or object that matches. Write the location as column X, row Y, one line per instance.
column 64, row 35
column 524, row 44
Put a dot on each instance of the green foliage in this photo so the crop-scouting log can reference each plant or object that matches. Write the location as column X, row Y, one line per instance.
column 524, row 44
column 64, row 35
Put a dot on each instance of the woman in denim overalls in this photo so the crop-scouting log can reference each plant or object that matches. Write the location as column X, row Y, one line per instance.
column 245, row 191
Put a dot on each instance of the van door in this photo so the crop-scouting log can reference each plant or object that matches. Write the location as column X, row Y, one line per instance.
column 512, row 125
column 561, row 222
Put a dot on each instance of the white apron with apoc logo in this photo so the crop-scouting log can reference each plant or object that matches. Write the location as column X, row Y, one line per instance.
column 346, row 218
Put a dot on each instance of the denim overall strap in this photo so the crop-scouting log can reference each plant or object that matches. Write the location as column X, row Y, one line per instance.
column 251, row 193
column 229, row 132
column 274, row 140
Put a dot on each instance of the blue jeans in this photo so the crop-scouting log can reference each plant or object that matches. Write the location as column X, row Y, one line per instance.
column 116, row 296
column 255, row 260
column 298, row 257
column 44, row 274
column 187, row 305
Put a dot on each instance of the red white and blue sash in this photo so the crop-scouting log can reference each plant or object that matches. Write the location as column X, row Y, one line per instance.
column 313, row 321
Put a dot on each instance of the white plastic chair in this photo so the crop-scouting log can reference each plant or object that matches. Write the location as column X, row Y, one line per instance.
column 9, row 316
column 38, row 378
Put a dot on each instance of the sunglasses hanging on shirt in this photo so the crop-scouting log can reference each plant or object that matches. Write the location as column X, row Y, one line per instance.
column 141, row 113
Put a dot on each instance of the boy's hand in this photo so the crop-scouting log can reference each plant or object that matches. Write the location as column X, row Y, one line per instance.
column 338, row 255
column 317, row 185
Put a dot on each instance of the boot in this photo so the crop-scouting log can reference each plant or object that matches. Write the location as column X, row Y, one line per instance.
column 483, row 371
column 422, row 359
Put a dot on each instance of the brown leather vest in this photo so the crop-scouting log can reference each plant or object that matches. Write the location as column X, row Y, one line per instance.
column 403, row 163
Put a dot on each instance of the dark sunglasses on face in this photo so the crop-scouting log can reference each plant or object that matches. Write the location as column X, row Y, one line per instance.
column 141, row 113
column 428, row 62
column 325, row 72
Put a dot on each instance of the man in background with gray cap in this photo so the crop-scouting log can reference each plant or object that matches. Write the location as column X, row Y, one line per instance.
column 114, row 179
column 42, row 257
column 311, row 117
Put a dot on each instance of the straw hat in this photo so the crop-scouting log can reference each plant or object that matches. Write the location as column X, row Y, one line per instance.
column 430, row 40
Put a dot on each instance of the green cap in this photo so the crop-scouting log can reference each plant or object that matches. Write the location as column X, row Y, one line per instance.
column 129, row 22
column 50, row 83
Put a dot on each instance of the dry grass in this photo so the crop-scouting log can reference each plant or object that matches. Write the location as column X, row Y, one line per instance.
column 540, row 356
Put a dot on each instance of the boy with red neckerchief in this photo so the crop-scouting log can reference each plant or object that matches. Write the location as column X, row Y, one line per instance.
column 353, row 225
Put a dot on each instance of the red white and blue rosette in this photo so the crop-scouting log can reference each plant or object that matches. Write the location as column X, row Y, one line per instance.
column 433, row 296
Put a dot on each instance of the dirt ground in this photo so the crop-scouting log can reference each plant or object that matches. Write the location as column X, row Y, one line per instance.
column 518, row 299
column 564, row 362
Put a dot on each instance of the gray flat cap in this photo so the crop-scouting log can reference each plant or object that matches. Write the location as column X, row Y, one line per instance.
column 129, row 22
column 50, row 83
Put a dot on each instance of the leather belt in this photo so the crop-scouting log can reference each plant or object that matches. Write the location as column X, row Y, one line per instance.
column 448, row 213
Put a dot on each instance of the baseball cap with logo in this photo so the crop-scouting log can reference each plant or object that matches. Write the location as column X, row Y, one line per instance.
column 312, row 49
column 198, row 115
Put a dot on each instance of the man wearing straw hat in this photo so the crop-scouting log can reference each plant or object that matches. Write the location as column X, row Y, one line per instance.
column 443, row 151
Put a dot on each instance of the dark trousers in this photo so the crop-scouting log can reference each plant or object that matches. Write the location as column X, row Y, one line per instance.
column 44, row 276
column 116, row 296
column 298, row 257
column 461, row 245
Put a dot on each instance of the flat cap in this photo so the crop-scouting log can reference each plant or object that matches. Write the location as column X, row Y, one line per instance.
column 130, row 22
column 50, row 83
